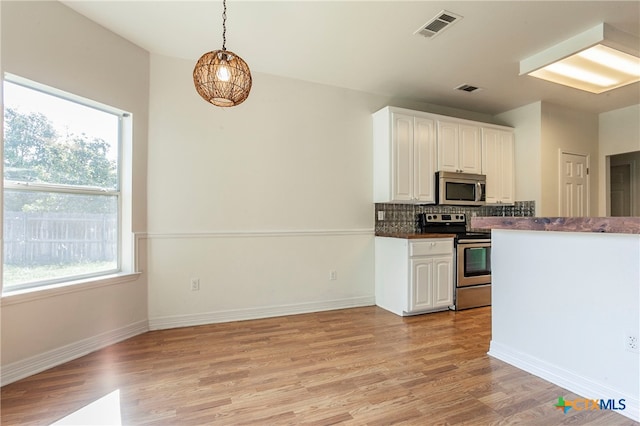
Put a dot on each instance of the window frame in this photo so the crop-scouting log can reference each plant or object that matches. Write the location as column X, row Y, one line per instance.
column 125, row 244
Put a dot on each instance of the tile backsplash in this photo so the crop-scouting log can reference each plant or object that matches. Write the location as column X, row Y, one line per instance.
column 402, row 218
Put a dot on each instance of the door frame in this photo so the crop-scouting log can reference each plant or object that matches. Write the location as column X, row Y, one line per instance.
column 587, row 157
column 632, row 184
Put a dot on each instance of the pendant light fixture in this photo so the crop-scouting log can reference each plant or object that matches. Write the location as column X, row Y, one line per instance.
column 221, row 77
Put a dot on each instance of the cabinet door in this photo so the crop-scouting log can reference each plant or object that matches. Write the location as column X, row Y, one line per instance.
column 491, row 165
column 470, row 155
column 421, row 293
column 402, row 157
column 447, row 146
column 442, row 281
column 424, row 163
column 507, row 142
column 497, row 165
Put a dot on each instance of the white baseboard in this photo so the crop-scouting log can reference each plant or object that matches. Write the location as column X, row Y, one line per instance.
column 175, row 321
column 564, row 378
column 35, row 364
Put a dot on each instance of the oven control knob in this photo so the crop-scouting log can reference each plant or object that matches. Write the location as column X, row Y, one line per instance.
column 429, row 217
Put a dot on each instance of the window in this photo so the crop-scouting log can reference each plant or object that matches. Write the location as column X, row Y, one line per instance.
column 62, row 206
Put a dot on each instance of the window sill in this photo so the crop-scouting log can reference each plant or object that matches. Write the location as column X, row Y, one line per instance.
column 43, row 292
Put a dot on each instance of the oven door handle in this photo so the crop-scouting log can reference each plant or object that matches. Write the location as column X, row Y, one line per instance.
column 476, row 241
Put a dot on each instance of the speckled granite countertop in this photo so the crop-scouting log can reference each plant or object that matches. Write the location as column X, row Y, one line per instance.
column 611, row 225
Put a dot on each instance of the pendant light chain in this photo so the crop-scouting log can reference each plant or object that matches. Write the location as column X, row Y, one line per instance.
column 224, row 25
column 221, row 77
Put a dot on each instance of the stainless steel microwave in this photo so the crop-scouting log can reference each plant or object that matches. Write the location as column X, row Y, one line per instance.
column 460, row 189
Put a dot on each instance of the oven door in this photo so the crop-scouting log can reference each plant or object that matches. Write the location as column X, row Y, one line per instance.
column 474, row 263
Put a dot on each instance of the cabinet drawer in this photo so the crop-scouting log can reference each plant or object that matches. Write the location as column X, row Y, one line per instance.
column 431, row 247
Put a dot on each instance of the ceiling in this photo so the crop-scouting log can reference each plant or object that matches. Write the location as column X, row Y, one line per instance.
column 370, row 45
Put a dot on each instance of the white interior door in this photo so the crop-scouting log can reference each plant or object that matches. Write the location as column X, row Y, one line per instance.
column 574, row 184
column 621, row 190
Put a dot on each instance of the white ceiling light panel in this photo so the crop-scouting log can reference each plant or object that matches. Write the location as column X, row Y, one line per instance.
column 597, row 60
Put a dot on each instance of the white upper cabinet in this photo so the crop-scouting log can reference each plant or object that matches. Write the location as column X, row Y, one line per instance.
column 459, row 147
column 498, row 165
column 410, row 146
column 424, row 159
column 404, row 156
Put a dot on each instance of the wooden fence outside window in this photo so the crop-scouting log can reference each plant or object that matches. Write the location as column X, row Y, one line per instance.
column 59, row 238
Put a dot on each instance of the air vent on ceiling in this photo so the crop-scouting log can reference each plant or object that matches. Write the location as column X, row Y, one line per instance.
column 467, row 88
column 438, row 24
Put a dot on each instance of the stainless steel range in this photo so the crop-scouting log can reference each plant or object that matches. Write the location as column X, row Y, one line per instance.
column 473, row 257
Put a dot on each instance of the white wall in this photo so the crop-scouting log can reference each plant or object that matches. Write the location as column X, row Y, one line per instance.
column 563, row 303
column 528, row 150
column 542, row 130
column 49, row 43
column 619, row 132
column 259, row 201
column 571, row 131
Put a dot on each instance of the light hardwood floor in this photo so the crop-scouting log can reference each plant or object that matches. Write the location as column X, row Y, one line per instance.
column 354, row 367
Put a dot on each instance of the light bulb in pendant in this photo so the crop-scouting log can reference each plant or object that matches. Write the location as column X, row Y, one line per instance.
column 222, row 72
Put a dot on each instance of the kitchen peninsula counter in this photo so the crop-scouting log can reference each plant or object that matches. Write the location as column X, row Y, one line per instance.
column 565, row 296
column 612, row 225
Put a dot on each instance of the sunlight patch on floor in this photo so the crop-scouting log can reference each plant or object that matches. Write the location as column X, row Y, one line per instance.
column 103, row 411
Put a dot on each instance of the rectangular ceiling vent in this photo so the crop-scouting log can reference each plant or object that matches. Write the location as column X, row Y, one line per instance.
column 438, row 24
column 468, row 88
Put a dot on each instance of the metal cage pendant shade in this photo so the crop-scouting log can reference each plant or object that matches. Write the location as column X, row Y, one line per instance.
column 221, row 77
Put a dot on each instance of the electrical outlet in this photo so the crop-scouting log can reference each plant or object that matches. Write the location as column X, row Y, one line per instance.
column 380, row 214
column 195, row 284
column 631, row 343
column 333, row 275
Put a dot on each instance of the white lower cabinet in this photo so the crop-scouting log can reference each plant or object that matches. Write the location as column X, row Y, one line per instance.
column 414, row 276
